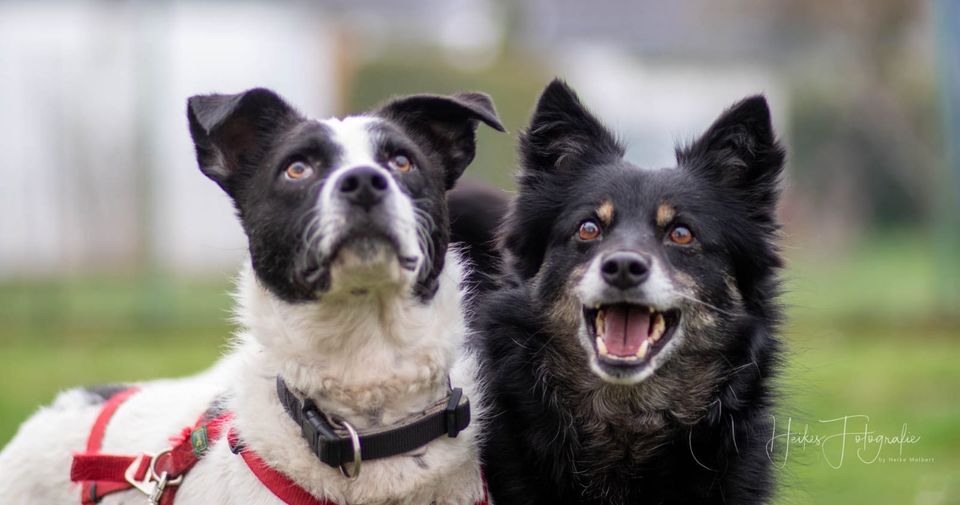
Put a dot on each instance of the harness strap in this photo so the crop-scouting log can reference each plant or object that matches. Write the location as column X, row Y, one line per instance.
column 91, row 490
column 103, row 474
column 279, row 484
column 282, row 486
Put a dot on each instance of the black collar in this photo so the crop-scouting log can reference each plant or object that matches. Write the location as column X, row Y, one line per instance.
column 333, row 443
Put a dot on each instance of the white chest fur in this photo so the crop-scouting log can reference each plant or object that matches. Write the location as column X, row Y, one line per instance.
column 372, row 364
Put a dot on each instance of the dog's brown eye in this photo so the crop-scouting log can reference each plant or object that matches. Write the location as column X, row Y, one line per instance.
column 681, row 235
column 298, row 170
column 401, row 163
column 589, row 230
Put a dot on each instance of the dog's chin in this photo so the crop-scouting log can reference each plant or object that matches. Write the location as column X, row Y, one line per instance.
column 627, row 342
column 370, row 264
column 361, row 264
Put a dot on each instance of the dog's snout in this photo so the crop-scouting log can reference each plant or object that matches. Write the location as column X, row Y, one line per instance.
column 625, row 269
column 363, row 186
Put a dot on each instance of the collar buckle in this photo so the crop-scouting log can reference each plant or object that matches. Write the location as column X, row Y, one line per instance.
column 320, row 436
column 451, row 413
column 449, row 416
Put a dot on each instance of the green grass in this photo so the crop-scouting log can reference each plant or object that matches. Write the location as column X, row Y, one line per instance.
column 34, row 373
column 833, row 374
column 60, row 334
column 868, row 335
column 895, row 280
column 134, row 310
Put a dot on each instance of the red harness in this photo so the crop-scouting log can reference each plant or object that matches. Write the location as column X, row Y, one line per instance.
column 158, row 476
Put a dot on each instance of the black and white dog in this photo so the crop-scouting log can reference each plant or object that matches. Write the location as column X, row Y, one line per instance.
column 628, row 354
column 351, row 297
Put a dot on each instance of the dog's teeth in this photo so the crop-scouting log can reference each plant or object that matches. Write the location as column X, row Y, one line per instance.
column 599, row 322
column 659, row 325
column 650, row 310
column 643, row 349
column 601, row 347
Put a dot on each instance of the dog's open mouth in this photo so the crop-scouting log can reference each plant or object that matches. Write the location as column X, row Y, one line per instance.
column 629, row 335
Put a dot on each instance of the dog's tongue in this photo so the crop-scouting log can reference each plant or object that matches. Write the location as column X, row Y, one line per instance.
column 625, row 328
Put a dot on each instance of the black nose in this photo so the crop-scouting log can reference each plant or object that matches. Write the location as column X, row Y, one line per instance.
column 363, row 186
column 625, row 269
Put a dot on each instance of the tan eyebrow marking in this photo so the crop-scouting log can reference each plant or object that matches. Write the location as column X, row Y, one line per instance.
column 605, row 212
column 665, row 214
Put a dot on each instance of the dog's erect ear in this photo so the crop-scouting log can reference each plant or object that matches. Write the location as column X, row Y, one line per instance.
column 232, row 131
column 562, row 129
column 740, row 153
column 447, row 123
column 562, row 132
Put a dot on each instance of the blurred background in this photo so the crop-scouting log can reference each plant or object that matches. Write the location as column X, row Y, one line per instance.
column 116, row 254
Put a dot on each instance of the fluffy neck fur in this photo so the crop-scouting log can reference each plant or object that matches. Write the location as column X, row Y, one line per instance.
column 373, row 362
column 372, row 359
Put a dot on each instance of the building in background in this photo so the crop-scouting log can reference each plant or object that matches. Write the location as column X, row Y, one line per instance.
column 96, row 166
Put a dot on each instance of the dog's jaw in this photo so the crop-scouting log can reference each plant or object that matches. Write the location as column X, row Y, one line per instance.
column 363, row 271
column 659, row 296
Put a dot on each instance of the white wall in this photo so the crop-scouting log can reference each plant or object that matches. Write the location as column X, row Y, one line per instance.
column 96, row 162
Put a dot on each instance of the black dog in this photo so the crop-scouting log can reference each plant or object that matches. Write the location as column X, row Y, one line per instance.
column 630, row 349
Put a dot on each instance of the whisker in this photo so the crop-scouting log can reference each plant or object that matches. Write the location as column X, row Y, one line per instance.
column 690, row 444
column 701, row 302
column 424, row 229
column 733, row 434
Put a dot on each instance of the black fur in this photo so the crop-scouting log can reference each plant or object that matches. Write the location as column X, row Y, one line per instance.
column 245, row 141
column 695, row 431
column 475, row 213
column 105, row 392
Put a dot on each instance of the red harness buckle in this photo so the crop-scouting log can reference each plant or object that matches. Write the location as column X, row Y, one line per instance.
column 149, row 482
column 157, row 476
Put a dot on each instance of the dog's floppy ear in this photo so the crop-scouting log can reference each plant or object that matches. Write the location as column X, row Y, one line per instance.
column 231, row 131
column 740, row 153
column 447, row 123
column 562, row 129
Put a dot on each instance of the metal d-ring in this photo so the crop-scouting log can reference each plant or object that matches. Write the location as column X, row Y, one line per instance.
column 163, row 476
column 355, row 441
column 153, row 485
